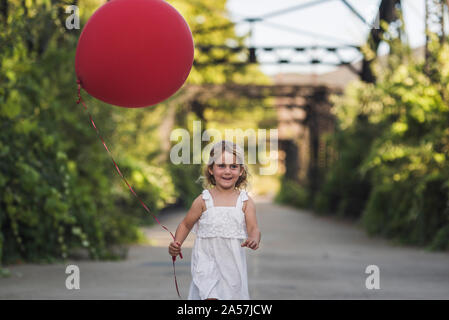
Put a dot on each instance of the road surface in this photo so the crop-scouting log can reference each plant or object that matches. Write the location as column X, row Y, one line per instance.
column 301, row 256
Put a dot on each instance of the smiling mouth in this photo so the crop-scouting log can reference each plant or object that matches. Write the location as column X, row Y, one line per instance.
column 228, row 179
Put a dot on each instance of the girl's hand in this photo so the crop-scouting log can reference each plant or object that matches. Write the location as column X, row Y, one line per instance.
column 252, row 243
column 174, row 248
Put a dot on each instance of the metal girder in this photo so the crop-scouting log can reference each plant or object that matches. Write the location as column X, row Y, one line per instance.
column 252, row 54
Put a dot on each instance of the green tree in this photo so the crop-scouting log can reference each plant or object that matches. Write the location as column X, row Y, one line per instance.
column 392, row 143
column 58, row 188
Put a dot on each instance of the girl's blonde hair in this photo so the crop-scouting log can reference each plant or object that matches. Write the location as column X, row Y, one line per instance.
column 215, row 153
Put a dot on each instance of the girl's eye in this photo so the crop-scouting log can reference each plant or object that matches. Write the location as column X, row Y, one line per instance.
column 232, row 166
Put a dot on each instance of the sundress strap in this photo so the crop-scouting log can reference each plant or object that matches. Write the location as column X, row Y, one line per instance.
column 242, row 197
column 207, row 197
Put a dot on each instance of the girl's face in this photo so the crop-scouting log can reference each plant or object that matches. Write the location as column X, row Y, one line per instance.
column 226, row 171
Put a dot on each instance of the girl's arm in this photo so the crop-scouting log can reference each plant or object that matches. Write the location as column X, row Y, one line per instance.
column 252, row 227
column 186, row 225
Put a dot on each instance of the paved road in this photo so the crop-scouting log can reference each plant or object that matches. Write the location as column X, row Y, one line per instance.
column 302, row 256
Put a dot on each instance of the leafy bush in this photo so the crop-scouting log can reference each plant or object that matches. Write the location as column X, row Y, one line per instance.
column 292, row 193
column 344, row 190
column 55, row 194
column 59, row 191
column 393, row 146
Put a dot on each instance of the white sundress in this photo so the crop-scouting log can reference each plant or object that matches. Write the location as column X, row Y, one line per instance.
column 218, row 260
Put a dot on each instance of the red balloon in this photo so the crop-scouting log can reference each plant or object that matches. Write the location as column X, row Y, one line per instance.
column 134, row 53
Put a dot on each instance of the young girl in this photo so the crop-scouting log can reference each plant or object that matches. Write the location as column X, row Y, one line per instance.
column 224, row 220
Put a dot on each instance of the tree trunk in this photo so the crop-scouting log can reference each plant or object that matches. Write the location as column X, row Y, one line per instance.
column 386, row 13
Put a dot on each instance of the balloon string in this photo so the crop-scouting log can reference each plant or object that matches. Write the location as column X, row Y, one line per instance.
column 80, row 99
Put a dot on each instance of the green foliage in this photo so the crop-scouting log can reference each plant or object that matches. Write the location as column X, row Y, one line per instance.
column 345, row 190
column 393, row 144
column 59, row 191
column 292, row 193
column 185, row 181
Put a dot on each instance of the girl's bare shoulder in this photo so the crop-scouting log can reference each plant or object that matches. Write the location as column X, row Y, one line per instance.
column 249, row 203
column 199, row 203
